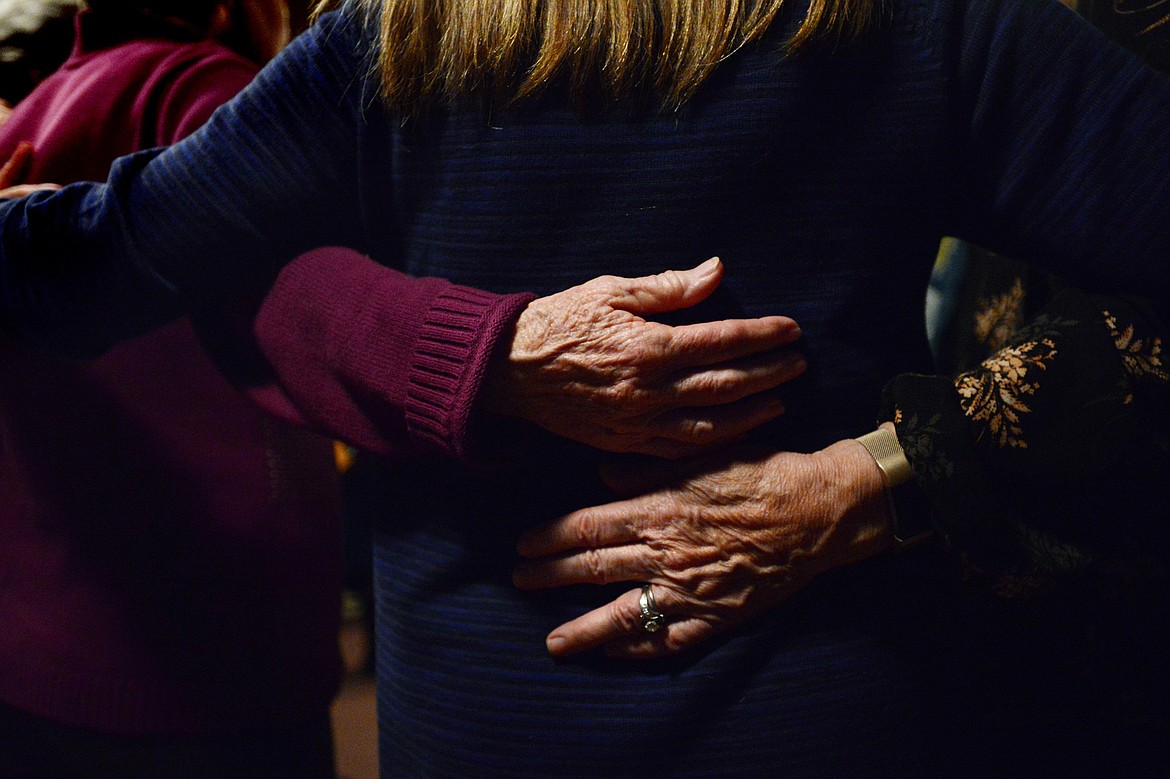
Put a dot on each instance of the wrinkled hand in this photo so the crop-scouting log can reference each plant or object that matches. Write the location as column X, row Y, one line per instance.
column 584, row 364
column 720, row 545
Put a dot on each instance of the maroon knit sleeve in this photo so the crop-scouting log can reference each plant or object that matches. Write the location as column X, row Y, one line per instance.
column 389, row 363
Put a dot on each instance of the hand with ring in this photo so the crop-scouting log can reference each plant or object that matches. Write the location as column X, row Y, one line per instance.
column 712, row 544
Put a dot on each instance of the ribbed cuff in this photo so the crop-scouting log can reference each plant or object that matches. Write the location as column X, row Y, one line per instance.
column 454, row 347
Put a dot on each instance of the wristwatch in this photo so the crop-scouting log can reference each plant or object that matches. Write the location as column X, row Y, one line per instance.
column 909, row 511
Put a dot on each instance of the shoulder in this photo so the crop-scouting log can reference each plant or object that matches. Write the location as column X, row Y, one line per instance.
column 187, row 83
column 207, row 60
column 962, row 28
column 959, row 25
column 345, row 39
column 151, row 68
column 333, row 63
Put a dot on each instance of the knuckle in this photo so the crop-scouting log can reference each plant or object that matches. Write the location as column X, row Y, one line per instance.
column 631, row 402
column 673, row 282
column 718, row 386
column 726, row 331
column 624, row 389
column 673, row 642
column 586, row 531
column 659, row 340
column 688, row 579
column 594, row 567
column 647, row 351
column 698, row 430
column 637, row 352
column 622, row 618
column 607, row 283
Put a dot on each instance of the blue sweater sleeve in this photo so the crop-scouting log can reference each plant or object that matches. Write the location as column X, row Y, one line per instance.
column 271, row 175
column 1064, row 145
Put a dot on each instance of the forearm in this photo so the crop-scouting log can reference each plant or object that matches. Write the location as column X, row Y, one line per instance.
column 857, row 491
column 389, row 363
column 66, row 286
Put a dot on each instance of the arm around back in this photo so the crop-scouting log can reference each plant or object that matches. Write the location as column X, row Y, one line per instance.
column 400, row 365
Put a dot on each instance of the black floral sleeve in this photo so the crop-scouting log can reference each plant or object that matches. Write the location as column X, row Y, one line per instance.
column 1052, row 451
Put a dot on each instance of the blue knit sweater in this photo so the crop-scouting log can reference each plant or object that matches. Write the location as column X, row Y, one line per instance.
column 824, row 182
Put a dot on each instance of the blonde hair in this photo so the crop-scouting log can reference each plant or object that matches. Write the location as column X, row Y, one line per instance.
column 512, row 49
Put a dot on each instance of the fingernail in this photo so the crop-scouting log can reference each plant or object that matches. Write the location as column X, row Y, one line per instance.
column 709, row 265
column 556, row 644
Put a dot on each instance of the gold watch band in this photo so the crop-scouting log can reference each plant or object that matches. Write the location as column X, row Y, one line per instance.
column 887, row 452
column 909, row 514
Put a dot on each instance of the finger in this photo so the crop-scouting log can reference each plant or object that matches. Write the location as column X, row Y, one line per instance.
column 618, row 619
column 729, row 383
column 717, row 424
column 20, row 190
column 725, row 340
column 586, row 566
column 15, row 170
column 667, row 291
column 675, row 636
column 588, row 528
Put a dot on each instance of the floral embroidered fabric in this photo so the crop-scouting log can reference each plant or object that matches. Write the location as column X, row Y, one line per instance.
column 1032, row 458
column 1045, row 467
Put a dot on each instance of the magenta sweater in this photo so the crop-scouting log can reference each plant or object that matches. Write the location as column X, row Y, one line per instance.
column 169, row 555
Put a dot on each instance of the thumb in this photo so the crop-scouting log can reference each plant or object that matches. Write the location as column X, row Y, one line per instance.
column 668, row 291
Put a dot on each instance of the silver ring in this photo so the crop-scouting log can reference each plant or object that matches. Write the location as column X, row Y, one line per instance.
column 652, row 618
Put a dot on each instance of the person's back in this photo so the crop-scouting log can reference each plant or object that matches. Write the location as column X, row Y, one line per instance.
column 818, row 179
column 171, row 555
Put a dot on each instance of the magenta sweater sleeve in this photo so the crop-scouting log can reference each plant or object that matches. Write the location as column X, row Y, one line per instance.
column 352, row 349
column 389, row 363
